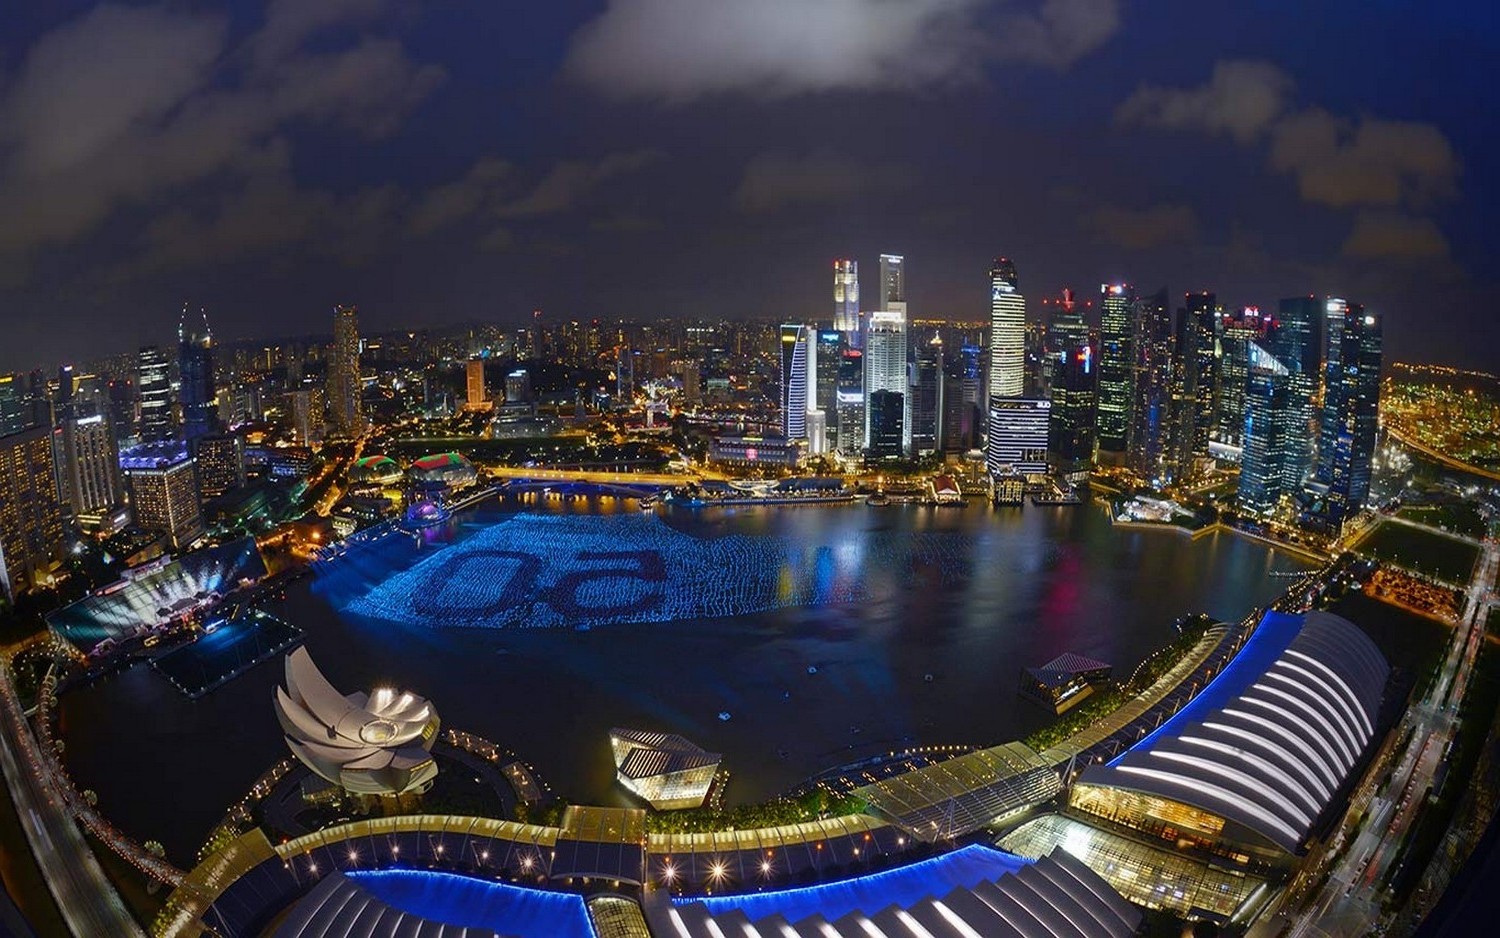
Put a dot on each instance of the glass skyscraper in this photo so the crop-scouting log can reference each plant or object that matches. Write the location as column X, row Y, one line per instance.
column 927, row 396
column 1268, row 432
column 154, row 385
column 796, row 349
column 1151, row 413
column 1007, row 331
column 1351, row 406
column 846, row 300
column 343, row 371
column 885, row 363
column 1293, row 340
column 1116, row 365
column 195, row 363
column 851, row 402
column 828, row 356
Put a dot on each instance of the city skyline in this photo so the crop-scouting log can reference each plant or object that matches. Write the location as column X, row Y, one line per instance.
column 1259, row 171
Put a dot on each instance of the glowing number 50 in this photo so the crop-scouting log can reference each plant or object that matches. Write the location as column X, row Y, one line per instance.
column 645, row 565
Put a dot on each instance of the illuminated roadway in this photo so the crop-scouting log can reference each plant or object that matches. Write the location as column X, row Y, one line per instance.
column 1349, row 903
column 85, row 897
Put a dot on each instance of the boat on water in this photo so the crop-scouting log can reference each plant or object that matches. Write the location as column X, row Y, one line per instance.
column 878, row 500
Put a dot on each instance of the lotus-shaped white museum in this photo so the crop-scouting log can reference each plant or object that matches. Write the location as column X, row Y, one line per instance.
column 368, row 744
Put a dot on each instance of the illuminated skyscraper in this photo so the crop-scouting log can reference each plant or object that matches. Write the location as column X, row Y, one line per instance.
column 195, row 364
column 893, row 283
column 30, row 516
column 885, row 364
column 477, row 396
column 154, row 384
column 14, row 416
column 343, row 372
column 927, row 396
column 796, row 349
column 1351, row 405
column 1335, row 312
column 829, row 355
column 851, row 402
column 1293, row 338
column 846, row 300
column 886, row 420
column 221, row 463
column 89, row 460
column 1268, row 432
column 1151, row 414
column 163, row 482
column 1116, row 366
column 1071, row 430
column 1236, row 333
column 1194, row 413
column 1007, row 331
column 1018, row 428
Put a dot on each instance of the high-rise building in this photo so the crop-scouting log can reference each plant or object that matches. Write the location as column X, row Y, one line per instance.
column 1018, row 429
column 885, row 362
column 306, row 407
column 221, row 463
column 62, row 401
column 163, row 483
column 624, row 375
column 1268, row 432
column 963, row 390
column 30, row 516
column 88, row 460
column 154, row 384
column 344, row 408
column 1151, row 415
column 1293, row 339
column 1007, row 331
column 1351, row 406
column 926, row 390
column 1116, row 367
column 14, row 414
column 121, row 408
column 828, row 354
column 1236, row 333
column 477, row 396
column 893, row 283
column 1071, row 431
column 851, row 402
column 886, row 421
column 796, row 350
column 1194, row 413
column 195, row 363
column 846, row 300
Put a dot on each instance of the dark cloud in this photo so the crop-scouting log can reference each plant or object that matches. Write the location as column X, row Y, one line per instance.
column 1241, row 99
column 478, row 192
column 1342, row 162
column 776, row 180
column 1141, row 229
column 124, row 104
column 570, row 181
column 1394, row 235
column 680, row 50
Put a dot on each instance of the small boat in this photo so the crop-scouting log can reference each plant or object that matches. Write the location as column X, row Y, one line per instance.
column 878, row 500
column 724, row 715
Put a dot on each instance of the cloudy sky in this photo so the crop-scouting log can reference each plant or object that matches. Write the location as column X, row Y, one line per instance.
column 451, row 161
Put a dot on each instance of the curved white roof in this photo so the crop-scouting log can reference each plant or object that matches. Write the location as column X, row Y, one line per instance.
column 1270, row 748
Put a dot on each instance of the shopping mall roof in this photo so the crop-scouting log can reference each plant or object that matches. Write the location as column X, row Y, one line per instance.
column 1055, row 897
column 960, row 795
column 439, row 461
column 1273, row 738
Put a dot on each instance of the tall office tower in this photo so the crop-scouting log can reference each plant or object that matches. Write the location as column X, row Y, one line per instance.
column 1066, row 330
column 1335, row 312
column 89, row 462
column 893, row 283
column 344, row 409
column 1071, row 435
column 846, row 300
column 886, row 421
column 1018, row 429
column 927, row 397
column 36, row 401
column 1193, row 384
column 885, row 362
column 1292, row 338
column 163, row 483
column 796, row 349
column 154, row 385
column 1007, row 331
column 692, row 384
column 195, row 362
column 121, row 408
column 62, row 401
column 1150, row 439
column 477, row 395
column 221, row 463
column 1116, row 368
column 305, row 406
column 1349, row 438
column 14, row 415
column 30, row 516
column 826, row 361
column 851, row 402
column 1236, row 333
column 624, row 375
column 1268, row 434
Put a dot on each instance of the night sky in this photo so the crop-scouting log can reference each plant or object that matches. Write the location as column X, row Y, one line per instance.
column 453, row 161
